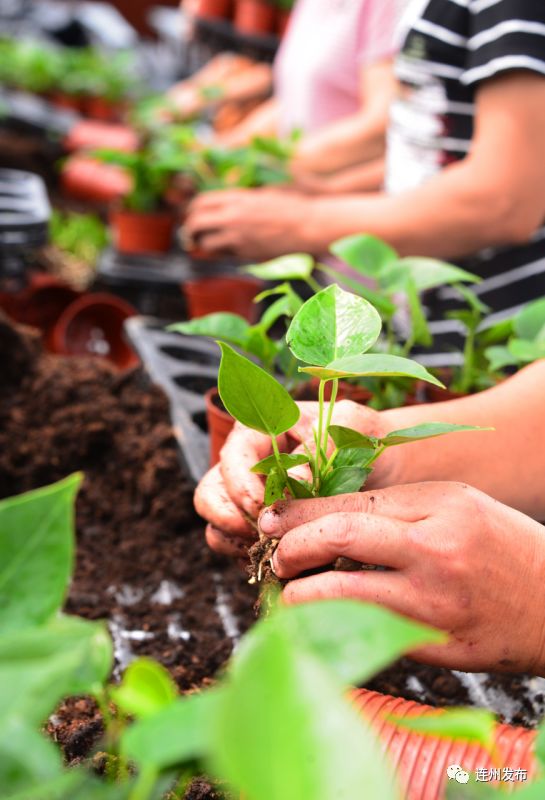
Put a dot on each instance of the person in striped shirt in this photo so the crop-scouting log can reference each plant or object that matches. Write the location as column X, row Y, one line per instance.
column 466, row 159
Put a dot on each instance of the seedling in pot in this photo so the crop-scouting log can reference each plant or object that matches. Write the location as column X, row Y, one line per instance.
column 331, row 334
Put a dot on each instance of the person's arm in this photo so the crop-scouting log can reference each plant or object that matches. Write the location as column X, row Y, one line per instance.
column 495, row 196
column 263, row 121
column 507, row 463
column 367, row 177
column 357, row 138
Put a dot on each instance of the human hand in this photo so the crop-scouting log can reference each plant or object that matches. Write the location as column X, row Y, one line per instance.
column 250, row 223
column 456, row 559
column 230, row 497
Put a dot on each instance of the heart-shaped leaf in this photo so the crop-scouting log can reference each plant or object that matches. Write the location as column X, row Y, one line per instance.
column 343, row 480
column 293, row 267
column 365, row 253
column 331, row 325
column 424, row 273
column 222, row 325
column 373, row 365
column 253, row 396
column 146, row 688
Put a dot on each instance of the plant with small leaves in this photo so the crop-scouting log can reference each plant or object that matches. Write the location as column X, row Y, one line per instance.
column 331, row 335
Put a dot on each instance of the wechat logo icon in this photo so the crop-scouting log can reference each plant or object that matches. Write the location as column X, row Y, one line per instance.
column 456, row 773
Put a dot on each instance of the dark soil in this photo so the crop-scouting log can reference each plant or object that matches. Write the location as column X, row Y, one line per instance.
column 142, row 562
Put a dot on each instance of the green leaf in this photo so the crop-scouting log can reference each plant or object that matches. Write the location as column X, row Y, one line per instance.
column 529, row 322
column 287, row 291
column 36, row 553
column 274, row 486
column 221, row 325
column 301, row 490
column 178, row 733
column 145, row 689
column 280, row 308
column 369, row 365
column 500, row 357
column 470, row 725
column 420, row 333
column 353, row 457
column 526, row 352
column 347, row 437
column 27, row 759
column 357, row 640
column 252, row 396
column 426, row 431
column 287, row 460
column 333, row 324
column 296, row 266
column 343, row 480
column 365, row 253
column 68, row 656
column 281, row 707
column 424, row 273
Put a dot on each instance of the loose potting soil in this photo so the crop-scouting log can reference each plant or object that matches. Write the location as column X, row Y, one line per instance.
column 142, row 562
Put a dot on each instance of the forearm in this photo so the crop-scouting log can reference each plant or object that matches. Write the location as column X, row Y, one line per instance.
column 350, row 141
column 365, row 178
column 453, row 215
column 507, row 463
column 261, row 122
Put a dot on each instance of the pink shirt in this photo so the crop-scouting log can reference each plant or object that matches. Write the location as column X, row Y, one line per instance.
column 318, row 67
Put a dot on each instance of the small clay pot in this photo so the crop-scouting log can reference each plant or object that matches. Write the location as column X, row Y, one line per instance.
column 220, row 424
column 135, row 232
column 94, row 135
column 214, row 9
column 282, row 21
column 84, row 178
column 255, row 17
column 93, row 326
column 104, row 110
column 223, row 293
column 41, row 303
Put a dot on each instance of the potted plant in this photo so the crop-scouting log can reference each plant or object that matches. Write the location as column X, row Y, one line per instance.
column 142, row 222
column 255, row 17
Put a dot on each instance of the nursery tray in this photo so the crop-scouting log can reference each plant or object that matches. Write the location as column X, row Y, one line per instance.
column 185, row 367
column 26, row 112
column 24, row 211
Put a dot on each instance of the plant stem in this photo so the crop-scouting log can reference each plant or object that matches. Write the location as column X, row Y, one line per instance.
column 334, row 390
column 144, row 784
column 313, row 283
column 276, row 451
column 319, row 435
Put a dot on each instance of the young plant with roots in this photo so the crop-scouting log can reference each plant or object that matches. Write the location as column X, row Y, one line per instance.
column 330, row 334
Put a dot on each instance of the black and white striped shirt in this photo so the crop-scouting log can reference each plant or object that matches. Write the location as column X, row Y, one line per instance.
column 450, row 47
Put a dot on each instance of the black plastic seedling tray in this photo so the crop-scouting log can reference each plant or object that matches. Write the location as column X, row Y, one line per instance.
column 185, row 367
column 24, row 211
column 28, row 113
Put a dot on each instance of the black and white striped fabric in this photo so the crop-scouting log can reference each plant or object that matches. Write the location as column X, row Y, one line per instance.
column 450, row 47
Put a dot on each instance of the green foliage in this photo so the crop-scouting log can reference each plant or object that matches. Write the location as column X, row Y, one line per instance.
column 83, row 236
column 470, row 725
column 293, row 267
column 253, row 396
column 36, row 554
column 146, row 688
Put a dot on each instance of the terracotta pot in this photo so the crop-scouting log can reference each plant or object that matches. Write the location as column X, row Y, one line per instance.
column 86, row 179
column 282, row 21
column 421, row 761
column 214, row 9
column 135, row 232
column 93, row 326
column 92, row 135
column 105, row 110
column 41, row 303
column 255, row 17
column 220, row 424
column 222, row 293
column 68, row 101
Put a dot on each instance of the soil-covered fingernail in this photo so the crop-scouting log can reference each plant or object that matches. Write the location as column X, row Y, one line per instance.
column 269, row 518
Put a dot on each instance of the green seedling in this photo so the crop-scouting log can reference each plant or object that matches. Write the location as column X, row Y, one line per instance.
column 83, row 236
column 523, row 339
column 330, row 335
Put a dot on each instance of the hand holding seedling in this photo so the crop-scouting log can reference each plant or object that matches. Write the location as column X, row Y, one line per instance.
column 455, row 557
